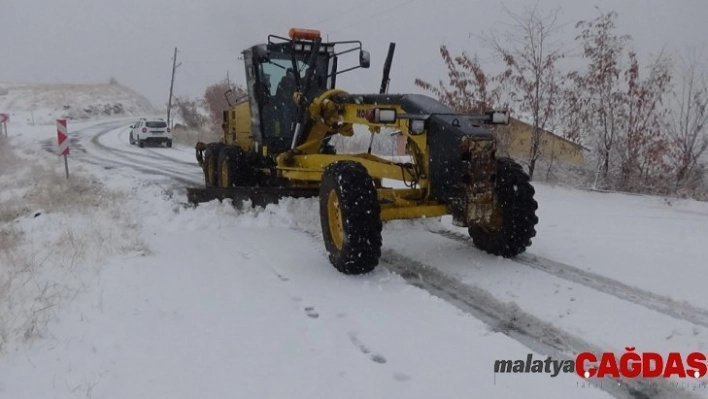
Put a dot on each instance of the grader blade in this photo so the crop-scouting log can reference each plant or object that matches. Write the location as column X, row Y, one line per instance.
column 259, row 196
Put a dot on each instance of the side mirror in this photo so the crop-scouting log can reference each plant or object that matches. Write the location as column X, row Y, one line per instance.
column 226, row 96
column 261, row 54
column 364, row 59
column 132, row 126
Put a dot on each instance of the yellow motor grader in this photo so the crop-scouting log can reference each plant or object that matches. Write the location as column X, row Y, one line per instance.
column 277, row 143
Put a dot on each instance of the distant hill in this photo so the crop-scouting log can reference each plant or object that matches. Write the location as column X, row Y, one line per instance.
column 46, row 102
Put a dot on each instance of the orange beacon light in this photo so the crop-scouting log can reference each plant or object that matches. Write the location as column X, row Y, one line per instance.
column 306, row 34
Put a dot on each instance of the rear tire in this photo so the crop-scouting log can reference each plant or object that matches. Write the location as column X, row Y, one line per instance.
column 518, row 213
column 226, row 167
column 141, row 143
column 234, row 168
column 210, row 167
column 169, row 143
column 351, row 217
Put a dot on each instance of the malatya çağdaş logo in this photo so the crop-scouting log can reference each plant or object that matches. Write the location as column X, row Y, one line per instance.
column 630, row 364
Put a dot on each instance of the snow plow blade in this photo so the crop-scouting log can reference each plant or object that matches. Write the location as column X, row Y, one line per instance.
column 259, row 196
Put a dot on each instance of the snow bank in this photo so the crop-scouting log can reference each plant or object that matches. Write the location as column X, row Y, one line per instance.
column 54, row 235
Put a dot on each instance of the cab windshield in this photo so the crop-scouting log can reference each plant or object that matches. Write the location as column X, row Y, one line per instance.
column 279, row 111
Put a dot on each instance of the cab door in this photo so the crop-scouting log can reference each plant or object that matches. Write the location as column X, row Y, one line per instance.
column 255, row 93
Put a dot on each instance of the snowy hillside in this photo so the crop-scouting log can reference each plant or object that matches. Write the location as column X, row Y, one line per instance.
column 43, row 103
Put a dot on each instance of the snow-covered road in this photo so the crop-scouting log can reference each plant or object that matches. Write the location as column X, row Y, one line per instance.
column 231, row 303
column 106, row 144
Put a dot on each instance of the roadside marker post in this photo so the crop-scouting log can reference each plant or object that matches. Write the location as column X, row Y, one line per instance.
column 4, row 118
column 63, row 142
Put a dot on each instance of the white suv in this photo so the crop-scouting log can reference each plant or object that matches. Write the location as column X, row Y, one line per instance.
column 150, row 131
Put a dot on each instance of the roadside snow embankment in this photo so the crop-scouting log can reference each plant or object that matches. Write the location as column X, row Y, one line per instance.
column 54, row 234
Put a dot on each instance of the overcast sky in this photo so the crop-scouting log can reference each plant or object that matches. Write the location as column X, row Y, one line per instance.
column 86, row 41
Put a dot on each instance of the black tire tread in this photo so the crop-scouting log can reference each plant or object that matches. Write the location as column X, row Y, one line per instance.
column 518, row 205
column 361, row 214
column 242, row 173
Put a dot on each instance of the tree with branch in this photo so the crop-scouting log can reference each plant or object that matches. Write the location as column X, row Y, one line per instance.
column 531, row 54
column 687, row 122
column 216, row 102
column 601, row 99
column 643, row 146
column 469, row 90
column 189, row 111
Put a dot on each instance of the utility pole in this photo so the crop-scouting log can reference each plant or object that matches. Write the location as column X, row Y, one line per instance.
column 172, row 85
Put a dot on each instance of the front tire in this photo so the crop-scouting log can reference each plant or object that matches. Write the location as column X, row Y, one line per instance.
column 516, row 211
column 351, row 217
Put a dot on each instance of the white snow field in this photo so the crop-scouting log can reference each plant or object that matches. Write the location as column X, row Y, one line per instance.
column 39, row 104
column 172, row 301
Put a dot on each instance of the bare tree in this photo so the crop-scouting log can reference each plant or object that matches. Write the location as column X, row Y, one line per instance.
column 468, row 91
column 216, row 103
column 643, row 146
column 686, row 124
column 530, row 53
column 601, row 98
column 572, row 109
column 189, row 111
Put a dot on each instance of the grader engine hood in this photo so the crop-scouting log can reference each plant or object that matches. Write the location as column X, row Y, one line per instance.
column 462, row 167
column 461, row 154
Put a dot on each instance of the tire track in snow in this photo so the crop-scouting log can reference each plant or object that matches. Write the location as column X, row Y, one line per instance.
column 131, row 156
column 507, row 318
column 114, row 164
column 100, row 129
column 659, row 303
column 149, row 152
column 169, row 158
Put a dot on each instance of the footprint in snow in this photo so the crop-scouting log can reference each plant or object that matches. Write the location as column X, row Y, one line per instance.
column 310, row 312
column 375, row 357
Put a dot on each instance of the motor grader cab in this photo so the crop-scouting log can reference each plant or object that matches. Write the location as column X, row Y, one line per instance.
column 277, row 144
column 274, row 73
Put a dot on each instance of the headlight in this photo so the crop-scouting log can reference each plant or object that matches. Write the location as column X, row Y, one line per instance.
column 417, row 126
column 499, row 118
